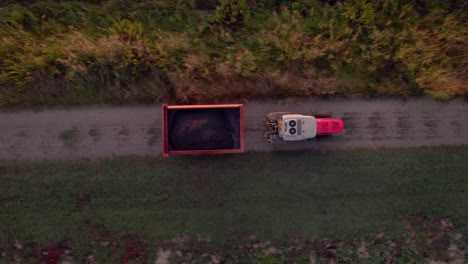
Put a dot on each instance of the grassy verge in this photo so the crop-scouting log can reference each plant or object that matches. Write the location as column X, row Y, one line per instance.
column 75, row 52
column 271, row 195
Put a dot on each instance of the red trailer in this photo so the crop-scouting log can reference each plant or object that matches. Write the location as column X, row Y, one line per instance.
column 202, row 129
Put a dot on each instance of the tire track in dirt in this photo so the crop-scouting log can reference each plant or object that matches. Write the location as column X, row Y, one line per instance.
column 353, row 121
column 135, row 130
column 376, row 126
column 403, row 125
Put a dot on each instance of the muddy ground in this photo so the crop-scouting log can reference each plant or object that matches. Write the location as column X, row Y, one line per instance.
column 106, row 131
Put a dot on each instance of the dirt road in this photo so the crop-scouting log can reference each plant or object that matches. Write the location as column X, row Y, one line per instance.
column 106, row 131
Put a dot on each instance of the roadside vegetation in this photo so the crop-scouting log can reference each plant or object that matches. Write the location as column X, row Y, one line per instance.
column 194, row 51
column 370, row 206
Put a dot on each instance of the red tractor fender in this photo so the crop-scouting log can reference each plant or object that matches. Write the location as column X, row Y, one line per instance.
column 328, row 126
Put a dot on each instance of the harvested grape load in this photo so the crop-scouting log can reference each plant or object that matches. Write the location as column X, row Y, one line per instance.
column 203, row 129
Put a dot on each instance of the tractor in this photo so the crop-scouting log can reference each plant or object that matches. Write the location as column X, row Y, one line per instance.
column 282, row 127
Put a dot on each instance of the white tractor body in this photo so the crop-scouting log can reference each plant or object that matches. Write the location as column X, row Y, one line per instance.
column 295, row 127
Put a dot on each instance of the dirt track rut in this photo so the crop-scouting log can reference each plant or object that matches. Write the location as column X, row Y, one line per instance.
column 106, row 131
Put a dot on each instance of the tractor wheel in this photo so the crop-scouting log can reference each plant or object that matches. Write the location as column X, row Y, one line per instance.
column 322, row 114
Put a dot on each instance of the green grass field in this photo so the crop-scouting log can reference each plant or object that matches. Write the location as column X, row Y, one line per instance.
column 272, row 195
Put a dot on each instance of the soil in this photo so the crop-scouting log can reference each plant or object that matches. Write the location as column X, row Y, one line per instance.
column 424, row 240
column 99, row 234
column 52, row 254
column 367, row 124
column 134, row 250
column 200, row 130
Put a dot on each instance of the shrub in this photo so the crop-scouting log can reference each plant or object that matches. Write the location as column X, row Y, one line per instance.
column 134, row 50
column 127, row 30
column 433, row 51
column 231, row 13
column 17, row 15
column 359, row 12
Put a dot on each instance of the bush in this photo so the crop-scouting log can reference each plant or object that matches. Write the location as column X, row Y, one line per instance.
column 109, row 50
column 127, row 31
column 359, row 12
column 17, row 15
column 231, row 13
